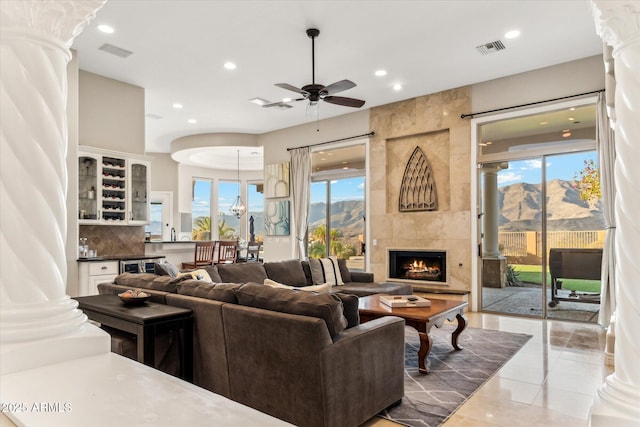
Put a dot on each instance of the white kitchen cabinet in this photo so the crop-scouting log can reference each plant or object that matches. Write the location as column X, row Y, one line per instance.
column 91, row 273
column 113, row 188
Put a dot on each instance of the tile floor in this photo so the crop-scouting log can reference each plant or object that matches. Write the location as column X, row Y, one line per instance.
column 551, row 381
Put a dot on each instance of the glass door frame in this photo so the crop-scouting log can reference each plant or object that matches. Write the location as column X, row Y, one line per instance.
column 477, row 159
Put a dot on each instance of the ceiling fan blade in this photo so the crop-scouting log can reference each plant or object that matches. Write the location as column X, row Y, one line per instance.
column 282, row 105
column 340, row 86
column 292, row 88
column 347, row 102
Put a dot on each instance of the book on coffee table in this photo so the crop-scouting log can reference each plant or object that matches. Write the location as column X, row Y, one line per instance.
column 404, row 301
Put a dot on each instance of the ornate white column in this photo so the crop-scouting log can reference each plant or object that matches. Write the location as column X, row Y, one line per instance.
column 617, row 402
column 39, row 324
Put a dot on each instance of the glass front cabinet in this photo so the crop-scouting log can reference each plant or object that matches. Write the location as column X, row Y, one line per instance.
column 112, row 188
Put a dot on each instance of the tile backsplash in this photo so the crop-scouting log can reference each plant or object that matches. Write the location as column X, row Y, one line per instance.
column 114, row 240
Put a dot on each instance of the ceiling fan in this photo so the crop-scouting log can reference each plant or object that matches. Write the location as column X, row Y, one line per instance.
column 316, row 92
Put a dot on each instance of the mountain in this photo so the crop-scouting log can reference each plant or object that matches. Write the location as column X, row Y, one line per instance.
column 347, row 216
column 520, row 208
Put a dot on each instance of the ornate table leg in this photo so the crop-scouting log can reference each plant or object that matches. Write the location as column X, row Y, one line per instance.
column 462, row 323
column 425, row 348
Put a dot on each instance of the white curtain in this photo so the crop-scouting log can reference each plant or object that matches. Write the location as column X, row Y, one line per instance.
column 605, row 144
column 300, row 191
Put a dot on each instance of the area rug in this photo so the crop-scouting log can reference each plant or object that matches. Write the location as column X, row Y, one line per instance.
column 429, row 400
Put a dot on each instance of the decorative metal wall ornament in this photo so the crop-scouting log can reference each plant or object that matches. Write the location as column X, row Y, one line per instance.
column 418, row 189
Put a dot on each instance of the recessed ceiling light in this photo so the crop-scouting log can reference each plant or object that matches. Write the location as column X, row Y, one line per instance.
column 177, row 106
column 229, row 65
column 259, row 101
column 397, row 86
column 381, row 73
column 320, row 152
column 106, row 28
column 286, row 99
column 511, row 34
column 572, row 109
column 345, row 168
column 192, row 121
column 570, row 119
column 566, row 134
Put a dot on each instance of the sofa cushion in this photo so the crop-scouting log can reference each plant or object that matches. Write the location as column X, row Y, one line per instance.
column 321, row 289
column 325, row 270
column 289, row 272
column 213, row 273
column 242, row 272
column 146, row 281
column 344, row 270
column 323, row 306
column 225, row 292
column 165, row 269
column 351, row 312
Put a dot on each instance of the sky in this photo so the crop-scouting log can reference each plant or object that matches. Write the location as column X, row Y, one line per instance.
column 565, row 166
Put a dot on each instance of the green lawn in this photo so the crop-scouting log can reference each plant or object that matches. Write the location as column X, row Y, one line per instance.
column 533, row 274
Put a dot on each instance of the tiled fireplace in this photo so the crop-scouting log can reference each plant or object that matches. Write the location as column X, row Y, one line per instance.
column 422, row 266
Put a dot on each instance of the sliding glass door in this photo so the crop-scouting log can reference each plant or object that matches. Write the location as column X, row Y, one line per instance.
column 540, row 215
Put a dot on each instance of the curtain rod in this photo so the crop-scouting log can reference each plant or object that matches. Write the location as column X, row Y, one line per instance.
column 464, row 116
column 335, row 140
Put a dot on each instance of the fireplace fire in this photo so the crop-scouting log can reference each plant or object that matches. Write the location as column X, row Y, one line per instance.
column 429, row 266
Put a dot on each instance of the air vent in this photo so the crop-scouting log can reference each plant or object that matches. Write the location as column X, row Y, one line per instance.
column 115, row 50
column 153, row 116
column 491, row 47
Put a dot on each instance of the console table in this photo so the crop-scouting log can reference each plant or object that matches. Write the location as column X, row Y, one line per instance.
column 145, row 322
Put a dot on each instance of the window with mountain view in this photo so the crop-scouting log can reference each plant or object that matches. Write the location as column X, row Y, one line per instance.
column 548, row 196
column 336, row 216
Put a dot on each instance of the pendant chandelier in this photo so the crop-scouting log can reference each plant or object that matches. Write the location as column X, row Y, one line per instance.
column 238, row 208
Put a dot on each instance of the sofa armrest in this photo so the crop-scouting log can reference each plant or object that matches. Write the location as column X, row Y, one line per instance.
column 362, row 277
column 364, row 369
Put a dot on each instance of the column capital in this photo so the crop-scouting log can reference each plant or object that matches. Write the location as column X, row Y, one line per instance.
column 62, row 20
column 617, row 21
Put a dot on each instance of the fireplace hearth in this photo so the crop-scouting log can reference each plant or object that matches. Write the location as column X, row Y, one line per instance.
column 418, row 265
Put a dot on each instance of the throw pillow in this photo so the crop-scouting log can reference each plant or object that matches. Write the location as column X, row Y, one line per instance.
column 325, row 288
column 165, row 269
column 325, row 270
column 289, row 272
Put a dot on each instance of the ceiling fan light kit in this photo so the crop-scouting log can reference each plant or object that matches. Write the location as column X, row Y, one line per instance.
column 315, row 92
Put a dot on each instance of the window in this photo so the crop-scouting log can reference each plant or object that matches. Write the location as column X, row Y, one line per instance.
column 336, row 216
column 201, row 209
column 228, row 224
column 255, row 210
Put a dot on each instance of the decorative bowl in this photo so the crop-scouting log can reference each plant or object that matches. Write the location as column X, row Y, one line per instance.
column 134, row 297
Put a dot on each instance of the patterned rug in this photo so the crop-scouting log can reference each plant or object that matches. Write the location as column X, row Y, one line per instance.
column 429, row 400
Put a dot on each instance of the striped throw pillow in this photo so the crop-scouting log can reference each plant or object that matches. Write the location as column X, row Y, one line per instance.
column 325, row 270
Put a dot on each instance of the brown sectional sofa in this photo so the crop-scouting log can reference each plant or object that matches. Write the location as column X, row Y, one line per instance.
column 299, row 356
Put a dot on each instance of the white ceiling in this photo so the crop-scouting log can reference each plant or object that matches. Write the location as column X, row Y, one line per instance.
column 179, row 48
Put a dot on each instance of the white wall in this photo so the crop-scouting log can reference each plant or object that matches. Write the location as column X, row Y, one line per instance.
column 111, row 114
column 275, row 151
column 570, row 78
column 164, row 177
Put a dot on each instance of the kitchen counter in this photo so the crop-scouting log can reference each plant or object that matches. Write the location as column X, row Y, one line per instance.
column 119, row 258
column 164, row 242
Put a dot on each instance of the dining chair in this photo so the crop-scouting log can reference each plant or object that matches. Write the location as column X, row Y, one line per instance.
column 253, row 252
column 203, row 255
column 227, row 252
